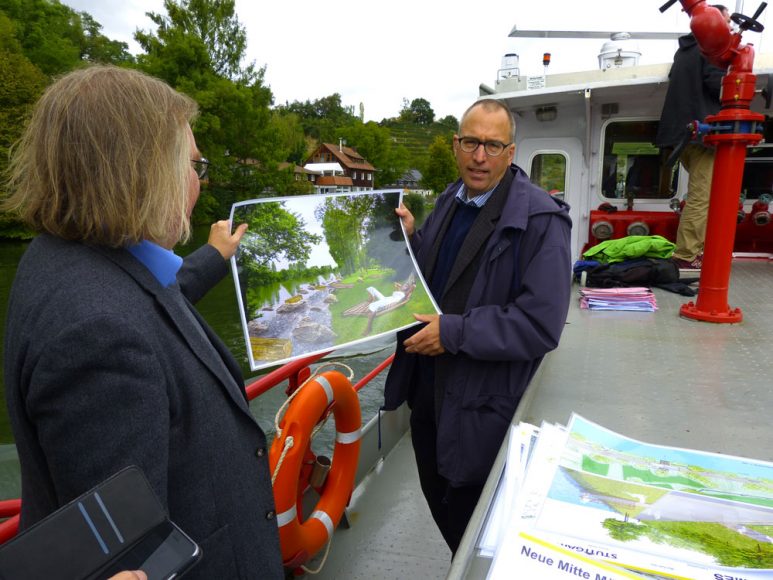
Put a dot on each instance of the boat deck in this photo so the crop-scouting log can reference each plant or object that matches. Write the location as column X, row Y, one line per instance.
column 653, row 376
column 666, row 379
column 658, row 378
column 392, row 534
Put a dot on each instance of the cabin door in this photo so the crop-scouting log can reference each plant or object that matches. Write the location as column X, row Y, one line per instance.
column 556, row 165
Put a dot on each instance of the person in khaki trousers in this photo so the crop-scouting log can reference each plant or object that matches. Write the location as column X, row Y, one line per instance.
column 699, row 163
column 693, row 93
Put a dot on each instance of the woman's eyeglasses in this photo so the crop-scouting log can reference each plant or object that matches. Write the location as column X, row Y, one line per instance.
column 200, row 166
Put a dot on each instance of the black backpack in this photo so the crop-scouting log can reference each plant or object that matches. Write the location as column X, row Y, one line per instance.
column 658, row 272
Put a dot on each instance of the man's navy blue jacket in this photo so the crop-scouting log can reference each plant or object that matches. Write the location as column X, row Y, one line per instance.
column 514, row 315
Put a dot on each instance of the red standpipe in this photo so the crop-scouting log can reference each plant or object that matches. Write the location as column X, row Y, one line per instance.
column 733, row 128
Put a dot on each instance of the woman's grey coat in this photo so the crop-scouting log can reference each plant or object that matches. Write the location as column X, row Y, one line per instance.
column 106, row 368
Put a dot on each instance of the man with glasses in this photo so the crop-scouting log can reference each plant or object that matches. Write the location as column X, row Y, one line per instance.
column 495, row 253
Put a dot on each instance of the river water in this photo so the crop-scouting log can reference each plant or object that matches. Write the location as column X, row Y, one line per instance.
column 220, row 308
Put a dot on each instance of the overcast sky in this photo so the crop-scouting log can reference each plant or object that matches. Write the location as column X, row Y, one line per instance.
column 379, row 53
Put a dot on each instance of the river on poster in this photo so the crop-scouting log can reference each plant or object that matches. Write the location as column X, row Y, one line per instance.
column 318, row 273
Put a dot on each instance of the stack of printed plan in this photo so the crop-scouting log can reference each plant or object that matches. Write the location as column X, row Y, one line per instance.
column 633, row 298
column 582, row 501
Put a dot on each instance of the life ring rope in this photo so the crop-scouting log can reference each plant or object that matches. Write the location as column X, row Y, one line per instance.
column 316, row 375
column 289, row 442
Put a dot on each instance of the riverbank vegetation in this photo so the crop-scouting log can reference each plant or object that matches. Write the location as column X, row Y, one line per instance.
column 199, row 47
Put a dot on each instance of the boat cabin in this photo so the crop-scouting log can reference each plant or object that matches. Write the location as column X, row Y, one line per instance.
column 588, row 137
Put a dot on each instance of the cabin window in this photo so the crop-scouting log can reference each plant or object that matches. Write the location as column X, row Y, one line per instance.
column 758, row 169
column 548, row 170
column 633, row 165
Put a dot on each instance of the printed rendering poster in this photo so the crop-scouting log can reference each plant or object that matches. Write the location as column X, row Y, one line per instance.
column 648, row 510
column 315, row 273
column 707, row 513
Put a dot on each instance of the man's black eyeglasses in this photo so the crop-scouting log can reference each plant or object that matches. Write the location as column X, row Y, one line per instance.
column 200, row 166
column 492, row 148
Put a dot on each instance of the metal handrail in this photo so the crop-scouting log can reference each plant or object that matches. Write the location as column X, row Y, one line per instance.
column 372, row 374
column 292, row 371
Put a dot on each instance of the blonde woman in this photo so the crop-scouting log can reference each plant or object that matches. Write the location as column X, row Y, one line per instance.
column 107, row 364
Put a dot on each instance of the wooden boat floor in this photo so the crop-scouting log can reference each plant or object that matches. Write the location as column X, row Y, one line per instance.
column 392, row 534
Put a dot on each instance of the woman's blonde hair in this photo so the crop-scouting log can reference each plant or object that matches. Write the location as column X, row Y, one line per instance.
column 105, row 159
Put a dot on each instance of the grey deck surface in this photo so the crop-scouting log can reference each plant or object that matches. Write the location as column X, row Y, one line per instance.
column 659, row 378
column 669, row 380
column 392, row 534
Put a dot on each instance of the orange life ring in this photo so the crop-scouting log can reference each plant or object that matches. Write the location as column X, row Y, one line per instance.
column 302, row 540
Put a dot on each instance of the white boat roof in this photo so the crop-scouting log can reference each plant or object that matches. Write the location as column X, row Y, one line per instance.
column 610, row 83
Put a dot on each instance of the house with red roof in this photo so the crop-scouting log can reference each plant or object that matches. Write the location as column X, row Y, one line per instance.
column 339, row 169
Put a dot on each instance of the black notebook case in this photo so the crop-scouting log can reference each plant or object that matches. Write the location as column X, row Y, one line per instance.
column 118, row 525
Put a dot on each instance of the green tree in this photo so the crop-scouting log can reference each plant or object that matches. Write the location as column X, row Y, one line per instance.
column 374, row 143
column 422, row 112
column 99, row 48
column 397, row 162
column 46, row 33
column 345, row 224
column 21, row 82
column 192, row 25
column 287, row 132
column 274, row 234
column 322, row 118
column 198, row 47
column 449, row 122
column 418, row 111
column 441, row 166
column 56, row 39
column 405, row 111
column 296, row 186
